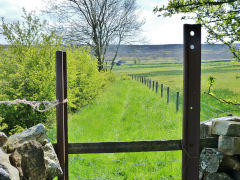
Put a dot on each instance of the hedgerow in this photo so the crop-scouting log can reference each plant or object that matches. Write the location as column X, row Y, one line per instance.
column 27, row 69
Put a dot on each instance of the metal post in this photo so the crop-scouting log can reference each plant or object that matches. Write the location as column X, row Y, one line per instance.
column 168, row 89
column 153, row 85
column 150, row 83
column 177, row 102
column 65, row 113
column 60, row 112
column 191, row 102
column 161, row 90
column 157, row 87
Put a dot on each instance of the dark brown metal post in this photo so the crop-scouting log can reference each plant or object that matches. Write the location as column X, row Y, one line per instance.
column 65, row 114
column 191, row 102
column 168, row 91
column 157, row 87
column 161, row 90
column 60, row 112
column 177, row 102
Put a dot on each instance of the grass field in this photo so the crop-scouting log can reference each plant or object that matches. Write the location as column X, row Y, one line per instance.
column 128, row 110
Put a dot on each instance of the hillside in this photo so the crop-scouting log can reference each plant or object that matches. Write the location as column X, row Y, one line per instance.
column 171, row 52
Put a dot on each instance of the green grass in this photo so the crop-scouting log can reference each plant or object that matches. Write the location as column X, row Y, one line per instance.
column 128, row 111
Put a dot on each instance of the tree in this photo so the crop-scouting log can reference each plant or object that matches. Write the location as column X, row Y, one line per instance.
column 221, row 19
column 97, row 23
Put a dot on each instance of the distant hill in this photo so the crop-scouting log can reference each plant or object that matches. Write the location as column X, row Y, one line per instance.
column 165, row 53
column 169, row 52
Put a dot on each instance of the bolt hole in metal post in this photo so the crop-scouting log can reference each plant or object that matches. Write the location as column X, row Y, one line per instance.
column 192, row 33
column 192, row 47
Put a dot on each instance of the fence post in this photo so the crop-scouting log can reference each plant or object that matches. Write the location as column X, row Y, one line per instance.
column 177, row 102
column 161, row 90
column 191, row 102
column 150, row 83
column 65, row 114
column 60, row 113
column 157, row 87
column 168, row 95
column 153, row 85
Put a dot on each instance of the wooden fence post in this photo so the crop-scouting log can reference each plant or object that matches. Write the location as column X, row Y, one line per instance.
column 168, row 89
column 161, row 90
column 150, row 83
column 177, row 102
column 153, row 83
column 60, row 113
column 191, row 102
column 157, row 87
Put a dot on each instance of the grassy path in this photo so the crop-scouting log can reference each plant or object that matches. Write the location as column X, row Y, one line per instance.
column 126, row 111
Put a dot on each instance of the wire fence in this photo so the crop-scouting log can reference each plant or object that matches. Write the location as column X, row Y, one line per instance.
column 208, row 111
column 165, row 91
column 115, row 167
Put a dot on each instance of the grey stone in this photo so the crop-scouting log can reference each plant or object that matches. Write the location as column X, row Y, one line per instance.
column 4, row 174
column 51, row 161
column 3, row 139
column 217, row 176
column 230, row 163
column 6, row 169
column 205, row 129
column 229, row 145
column 37, row 133
column 210, row 160
column 29, row 160
column 228, row 118
column 227, row 128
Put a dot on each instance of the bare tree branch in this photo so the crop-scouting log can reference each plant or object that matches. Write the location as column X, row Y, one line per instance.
column 96, row 23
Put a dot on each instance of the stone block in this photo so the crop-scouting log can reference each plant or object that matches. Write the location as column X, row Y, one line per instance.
column 210, row 160
column 29, row 160
column 226, row 128
column 227, row 118
column 7, row 171
column 205, row 129
column 229, row 145
column 37, row 133
column 230, row 163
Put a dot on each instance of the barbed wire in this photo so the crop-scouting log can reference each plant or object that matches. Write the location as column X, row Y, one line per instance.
column 36, row 104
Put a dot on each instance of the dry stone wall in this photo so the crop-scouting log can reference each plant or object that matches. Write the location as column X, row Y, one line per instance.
column 28, row 155
column 223, row 162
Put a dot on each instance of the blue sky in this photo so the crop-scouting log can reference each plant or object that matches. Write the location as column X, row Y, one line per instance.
column 157, row 30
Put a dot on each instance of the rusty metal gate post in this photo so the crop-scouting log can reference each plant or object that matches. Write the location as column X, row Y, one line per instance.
column 61, row 113
column 191, row 102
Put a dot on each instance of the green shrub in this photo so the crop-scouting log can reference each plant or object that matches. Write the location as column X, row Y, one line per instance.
column 27, row 69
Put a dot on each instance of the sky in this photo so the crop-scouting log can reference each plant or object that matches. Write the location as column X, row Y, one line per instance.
column 156, row 30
